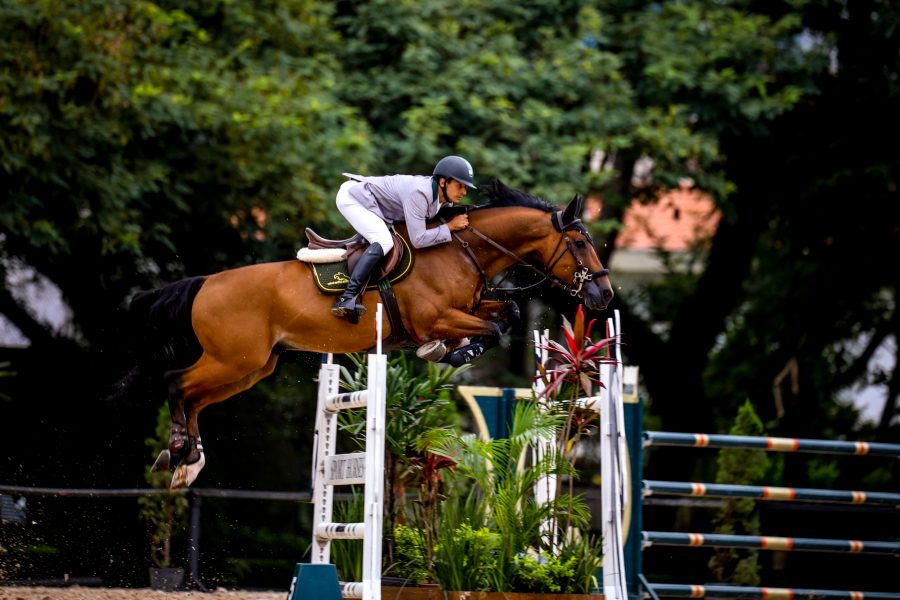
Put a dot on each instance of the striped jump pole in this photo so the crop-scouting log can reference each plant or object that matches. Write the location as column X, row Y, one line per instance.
column 330, row 470
column 767, row 593
column 765, row 493
column 762, row 542
column 771, row 444
column 722, row 490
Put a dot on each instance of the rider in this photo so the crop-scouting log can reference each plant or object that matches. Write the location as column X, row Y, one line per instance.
column 369, row 203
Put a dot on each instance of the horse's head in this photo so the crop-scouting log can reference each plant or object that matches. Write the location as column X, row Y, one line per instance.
column 560, row 242
column 574, row 261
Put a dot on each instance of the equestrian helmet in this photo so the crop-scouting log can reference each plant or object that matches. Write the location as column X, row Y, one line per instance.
column 455, row 167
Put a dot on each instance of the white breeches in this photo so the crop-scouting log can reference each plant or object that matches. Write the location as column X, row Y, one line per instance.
column 366, row 223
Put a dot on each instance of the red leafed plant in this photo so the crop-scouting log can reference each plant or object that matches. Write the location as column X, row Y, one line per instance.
column 577, row 363
column 425, row 470
column 570, row 373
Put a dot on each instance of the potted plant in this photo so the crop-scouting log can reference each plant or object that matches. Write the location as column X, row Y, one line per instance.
column 165, row 514
column 474, row 527
column 418, row 400
column 570, row 374
column 492, row 538
column 496, row 539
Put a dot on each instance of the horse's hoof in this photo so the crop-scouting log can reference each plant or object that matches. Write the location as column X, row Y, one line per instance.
column 162, row 462
column 466, row 354
column 185, row 475
column 434, row 350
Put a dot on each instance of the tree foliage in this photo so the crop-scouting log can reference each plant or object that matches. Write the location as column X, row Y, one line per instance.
column 790, row 94
column 143, row 141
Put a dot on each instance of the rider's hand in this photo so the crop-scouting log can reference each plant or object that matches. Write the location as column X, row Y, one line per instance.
column 458, row 223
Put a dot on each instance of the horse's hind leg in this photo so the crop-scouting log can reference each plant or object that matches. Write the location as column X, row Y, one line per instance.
column 167, row 459
column 194, row 459
column 183, row 384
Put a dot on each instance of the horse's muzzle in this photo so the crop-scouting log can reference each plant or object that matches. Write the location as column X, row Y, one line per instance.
column 598, row 294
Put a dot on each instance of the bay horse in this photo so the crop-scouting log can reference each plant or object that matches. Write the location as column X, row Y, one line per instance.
column 222, row 333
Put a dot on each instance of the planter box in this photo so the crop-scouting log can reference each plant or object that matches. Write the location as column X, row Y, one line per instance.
column 435, row 593
column 425, row 592
column 166, row 579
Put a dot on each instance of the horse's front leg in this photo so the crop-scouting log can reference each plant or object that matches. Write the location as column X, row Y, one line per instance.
column 502, row 312
column 454, row 325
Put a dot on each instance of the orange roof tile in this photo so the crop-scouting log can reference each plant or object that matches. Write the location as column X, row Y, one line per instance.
column 677, row 222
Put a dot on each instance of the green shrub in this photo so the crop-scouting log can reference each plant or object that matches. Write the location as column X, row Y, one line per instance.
column 545, row 574
column 738, row 516
column 466, row 558
column 409, row 558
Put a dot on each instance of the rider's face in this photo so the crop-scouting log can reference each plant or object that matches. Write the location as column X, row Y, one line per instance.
column 456, row 191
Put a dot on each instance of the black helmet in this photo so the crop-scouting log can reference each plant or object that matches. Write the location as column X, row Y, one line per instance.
column 456, row 167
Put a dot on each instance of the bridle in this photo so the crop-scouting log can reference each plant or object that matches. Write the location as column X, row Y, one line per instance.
column 582, row 273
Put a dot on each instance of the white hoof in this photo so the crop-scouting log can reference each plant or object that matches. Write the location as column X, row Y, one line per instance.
column 434, row 350
column 186, row 474
column 162, row 462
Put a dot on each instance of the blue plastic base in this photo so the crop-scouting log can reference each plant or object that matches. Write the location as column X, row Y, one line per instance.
column 318, row 581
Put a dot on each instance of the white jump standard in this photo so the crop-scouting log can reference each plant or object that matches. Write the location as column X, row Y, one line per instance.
column 330, row 469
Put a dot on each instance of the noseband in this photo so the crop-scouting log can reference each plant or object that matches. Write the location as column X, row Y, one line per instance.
column 582, row 273
column 581, row 276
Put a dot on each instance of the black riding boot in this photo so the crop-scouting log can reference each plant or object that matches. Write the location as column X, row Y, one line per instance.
column 345, row 305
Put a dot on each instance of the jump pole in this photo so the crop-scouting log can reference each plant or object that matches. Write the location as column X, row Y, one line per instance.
column 767, row 493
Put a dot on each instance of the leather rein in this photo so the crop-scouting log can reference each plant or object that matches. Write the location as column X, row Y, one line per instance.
column 582, row 274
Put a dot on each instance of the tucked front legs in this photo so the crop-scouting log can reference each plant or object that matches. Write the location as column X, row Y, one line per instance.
column 503, row 314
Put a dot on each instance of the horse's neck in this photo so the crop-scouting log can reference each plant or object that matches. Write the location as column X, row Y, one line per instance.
column 520, row 231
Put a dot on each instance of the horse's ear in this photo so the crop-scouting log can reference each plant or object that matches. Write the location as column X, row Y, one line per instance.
column 573, row 211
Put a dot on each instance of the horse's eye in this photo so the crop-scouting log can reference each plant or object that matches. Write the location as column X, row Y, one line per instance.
column 580, row 244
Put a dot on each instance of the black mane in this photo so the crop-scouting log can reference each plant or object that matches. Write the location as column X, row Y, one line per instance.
column 499, row 194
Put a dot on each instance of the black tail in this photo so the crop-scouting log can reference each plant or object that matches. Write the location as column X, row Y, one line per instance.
column 162, row 338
